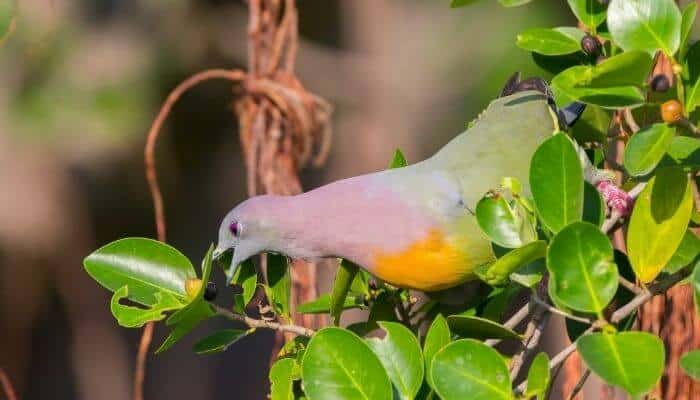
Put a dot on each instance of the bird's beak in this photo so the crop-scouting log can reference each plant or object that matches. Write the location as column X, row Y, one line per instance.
column 225, row 256
column 218, row 252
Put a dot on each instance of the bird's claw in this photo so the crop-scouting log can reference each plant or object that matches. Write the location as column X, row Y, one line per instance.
column 617, row 199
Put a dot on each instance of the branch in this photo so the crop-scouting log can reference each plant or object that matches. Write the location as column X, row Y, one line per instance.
column 557, row 311
column 7, row 385
column 512, row 322
column 579, row 385
column 259, row 323
column 533, row 333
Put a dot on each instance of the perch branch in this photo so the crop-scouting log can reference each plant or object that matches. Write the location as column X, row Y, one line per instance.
column 259, row 323
column 557, row 311
column 533, row 333
column 7, row 385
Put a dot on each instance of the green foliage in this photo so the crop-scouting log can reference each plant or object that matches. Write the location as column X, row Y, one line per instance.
column 550, row 42
column 346, row 274
column 590, row 12
column 658, row 222
column 507, row 223
column 247, row 278
column 470, row 369
column 583, row 275
column 556, row 181
column 467, row 326
column 611, row 355
column 647, row 25
column 280, row 281
column 646, row 148
column 282, row 377
column 438, row 336
column 218, row 341
column 690, row 362
column 497, row 273
column 538, row 377
column 339, row 365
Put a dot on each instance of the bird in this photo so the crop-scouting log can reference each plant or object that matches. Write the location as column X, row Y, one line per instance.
column 412, row 227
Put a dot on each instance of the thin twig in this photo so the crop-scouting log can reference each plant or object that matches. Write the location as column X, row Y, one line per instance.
column 611, row 221
column 7, row 385
column 140, row 373
column 579, row 384
column 531, row 340
column 259, row 323
column 629, row 119
column 629, row 285
column 557, row 311
column 512, row 322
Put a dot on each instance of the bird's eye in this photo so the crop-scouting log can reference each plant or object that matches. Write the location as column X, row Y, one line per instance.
column 235, row 228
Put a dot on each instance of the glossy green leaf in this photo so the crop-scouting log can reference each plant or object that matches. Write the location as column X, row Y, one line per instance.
column 347, row 271
column 690, row 363
column 617, row 358
column 322, row 305
column 556, row 182
column 218, row 341
column 592, row 126
column 466, row 326
column 687, row 21
column 692, row 97
column 398, row 161
column 658, row 223
column 647, row 147
column 280, row 280
column 192, row 306
column 468, row 369
column 594, row 208
column 134, row 317
column 550, row 42
column 438, row 336
column 687, row 252
column 199, row 311
column 282, row 375
column 338, row 364
column 630, row 68
column 647, row 25
column 583, row 275
column 529, row 275
column 590, row 12
column 497, row 273
column 400, row 353
column 246, row 277
column 502, row 223
column 683, row 152
column 146, row 266
column 538, row 376
column 565, row 89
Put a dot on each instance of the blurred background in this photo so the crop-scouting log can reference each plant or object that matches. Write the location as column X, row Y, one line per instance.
column 81, row 81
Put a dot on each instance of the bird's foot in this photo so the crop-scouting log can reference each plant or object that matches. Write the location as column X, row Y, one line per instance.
column 614, row 197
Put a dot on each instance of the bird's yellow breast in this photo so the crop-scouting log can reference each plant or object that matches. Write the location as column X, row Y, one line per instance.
column 430, row 264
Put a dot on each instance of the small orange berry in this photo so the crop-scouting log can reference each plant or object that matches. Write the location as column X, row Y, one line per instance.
column 671, row 111
column 192, row 286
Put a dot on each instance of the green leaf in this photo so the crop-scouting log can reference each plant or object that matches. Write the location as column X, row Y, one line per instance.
column 583, row 275
column 692, row 97
column 503, row 224
column 462, row 3
column 513, row 3
column 8, row 10
column 398, row 161
column 593, row 205
column 616, row 358
column 683, row 152
column 592, row 126
column 556, row 182
column 497, row 273
column 538, row 377
column 590, row 12
column 322, row 305
column 134, row 317
column 565, row 89
column 199, row 311
column 468, row 369
column 280, row 282
column 199, row 296
column 479, row 328
column 347, row 271
column 647, row 25
column 687, row 21
column 247, row 277
column 690, row 363
column 218, row 341
column 282, row 375
column 438, row 336
column 529, row 275
column 338, row 364
column 658, row 223
column 647, row 147
column 630, row 68
column 146, row 266
column 401, row 356
column 550, row 42
column 686, row 253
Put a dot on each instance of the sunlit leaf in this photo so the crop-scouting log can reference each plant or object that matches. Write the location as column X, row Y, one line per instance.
column 590, row 12
column 503, row 223
column 218, row 341
column 550, row 42
column 398, row 161
column 133, row 317
column 690, row 363
column 647, row 25
column 400, row 353
column 322, row 305
column 616, row 358
column 658, row 223
column 347, row 271
column 564, row 86
column 538, row 376
column 498, row 272
column 479, row 328
column 686, row 253
column 280, row 281
column 282, row 375
column 438, row 336
column 647, row 147
column 687, row 21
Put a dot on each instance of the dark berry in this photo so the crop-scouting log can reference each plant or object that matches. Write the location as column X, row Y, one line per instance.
column 210, row 291
column 590, row 45
column 660, row 83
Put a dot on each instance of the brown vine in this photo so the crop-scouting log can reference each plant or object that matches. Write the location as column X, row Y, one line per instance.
column 282, row 128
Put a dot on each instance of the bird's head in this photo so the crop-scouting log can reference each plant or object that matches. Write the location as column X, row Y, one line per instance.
column 243, row 233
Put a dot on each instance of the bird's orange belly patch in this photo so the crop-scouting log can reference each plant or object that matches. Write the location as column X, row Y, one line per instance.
column 428, row 265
